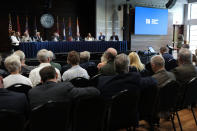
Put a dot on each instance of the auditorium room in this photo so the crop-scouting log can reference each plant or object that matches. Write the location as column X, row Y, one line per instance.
column 98, row 65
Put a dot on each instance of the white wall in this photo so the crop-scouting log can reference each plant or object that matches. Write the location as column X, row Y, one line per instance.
column 106, row 8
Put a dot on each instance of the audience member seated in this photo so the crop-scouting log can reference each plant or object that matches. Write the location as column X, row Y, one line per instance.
column 101, row 37
column 136, row 64
column 13, row 65
column 78, row 37
column 3, row 72
column 167, row 57
column 103, row 61
column 110, row 85
column 37, row 37
column 43, row 58
column 26, row 37
column 75, row 71
column 89, row 37
column 186, row 70
column 55, row 65
column 51, row 90
column 84, row 60
column 114, row 37
column 55, row 37
column 161, row 75
column 86, row 64
column 109, row 68
column 13, row 101
column 25, row 69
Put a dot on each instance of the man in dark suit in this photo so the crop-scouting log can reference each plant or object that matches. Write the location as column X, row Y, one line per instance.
column 167, row 57
column 13, row 101
column 78, row 37
column 109, row 68
column 101, row 37
column 114, row 37
column 111, row 85
column 161, row 75
column 186, row 70
column 51, row 90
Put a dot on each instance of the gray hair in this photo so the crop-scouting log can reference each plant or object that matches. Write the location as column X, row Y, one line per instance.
column 185, row 56
column 20, row 54
column 12, row 63
column 85, row 55
column 122, row 63
column 43, row 55
column 158, row 61
column 51, row 55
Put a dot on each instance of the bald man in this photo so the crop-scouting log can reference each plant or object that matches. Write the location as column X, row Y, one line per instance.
column 161, row 75
column 109, row 68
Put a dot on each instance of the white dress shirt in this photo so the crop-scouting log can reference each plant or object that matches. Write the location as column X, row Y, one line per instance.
column 73, row 72
column 35, row 76
column 14, row 40
column 16, row 79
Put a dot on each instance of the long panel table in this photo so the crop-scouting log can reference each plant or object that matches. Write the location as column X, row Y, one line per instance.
column 31, row 48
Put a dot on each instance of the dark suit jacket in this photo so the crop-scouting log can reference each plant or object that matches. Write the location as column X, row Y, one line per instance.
column 110, row 85
column 108, row 68
column 14, row 101
column 114, row 38
column 101, row 37
column 58, row 92
column 184, row 73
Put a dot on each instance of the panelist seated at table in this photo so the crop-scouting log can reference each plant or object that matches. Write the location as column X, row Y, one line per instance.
column 37, row 37
column 101, row 37
column 18, row 36
column 55, row 37
column 26, row 37
column 114, row 37
column 78, row 37
column 89, row 37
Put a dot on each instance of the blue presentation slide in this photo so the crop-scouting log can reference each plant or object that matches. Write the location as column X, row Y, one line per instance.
column 151, row 21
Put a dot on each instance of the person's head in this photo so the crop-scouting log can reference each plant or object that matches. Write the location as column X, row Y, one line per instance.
column 101, row 33
column 157, row 63
column 84, row 56
column 110, row 53
column 26, row 34
column 12, row 33
column 163, row 50
column 135, row 61
column 114, row 33
column 185, row 56
column 122, row 63
column 51, row 55
column 89, row 35
column 18, row 34
column 13, row 64
column 48, row 73
column 43, row 56
column 73, row 58
column 38, row 34
column 21, row 55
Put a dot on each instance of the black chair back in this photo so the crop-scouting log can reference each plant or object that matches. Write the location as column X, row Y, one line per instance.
column 190, row 95
column 51, row 116
column 124, row 110
column 168, row 96
column 148, row 103
column 21, row 88
column 80, row 82
column 11, row 120
column 171, row 64
column 90, row 114
column 92, row 70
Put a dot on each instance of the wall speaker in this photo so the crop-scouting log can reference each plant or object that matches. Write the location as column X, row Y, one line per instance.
column 170, row 4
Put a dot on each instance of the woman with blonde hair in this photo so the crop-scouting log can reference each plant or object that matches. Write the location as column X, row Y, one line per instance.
column 136, row 64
